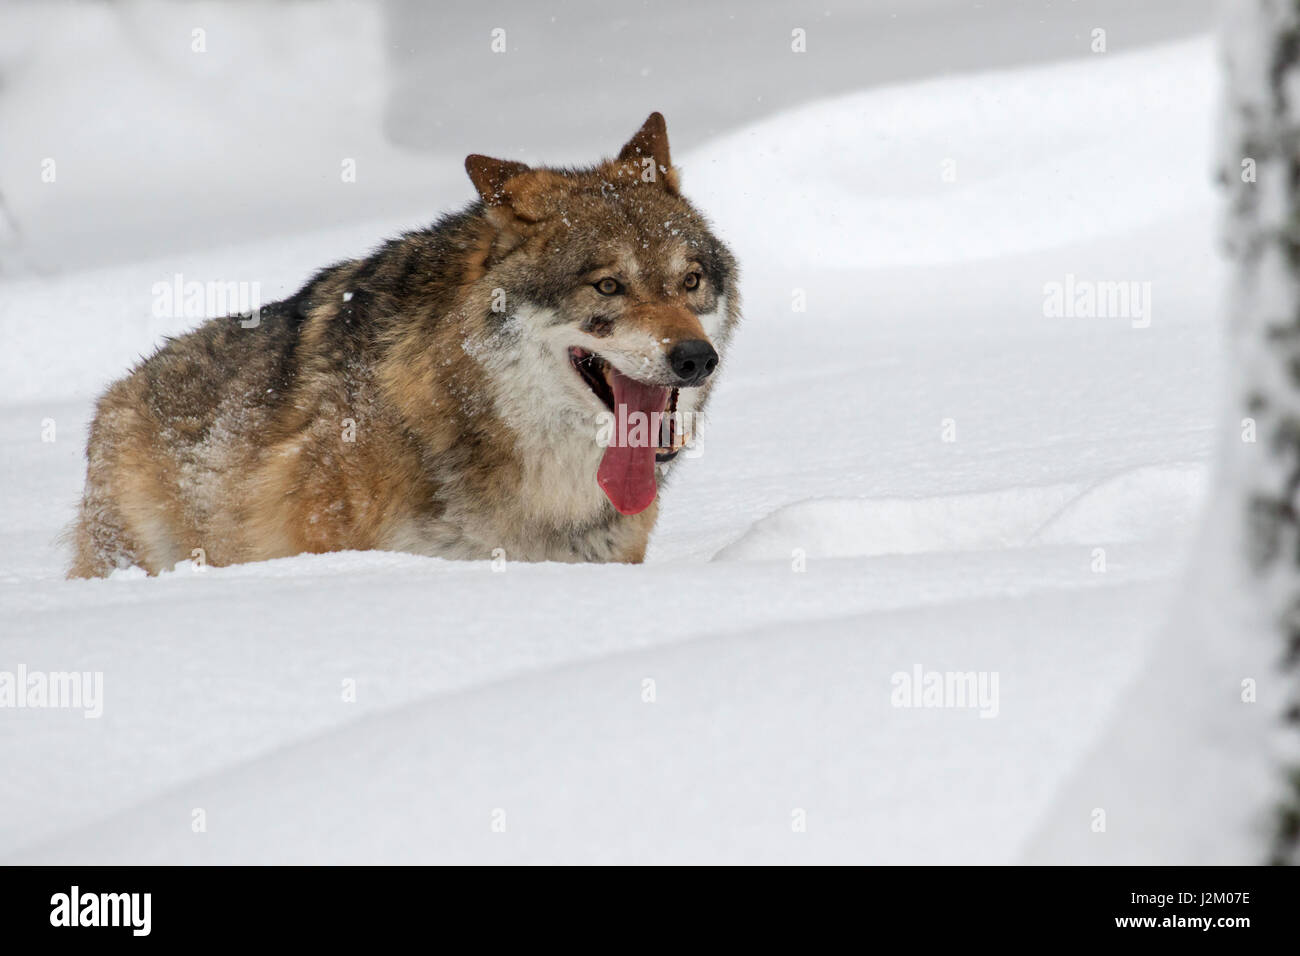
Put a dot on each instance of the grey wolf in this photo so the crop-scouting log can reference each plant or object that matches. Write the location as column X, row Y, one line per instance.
column 448, row 395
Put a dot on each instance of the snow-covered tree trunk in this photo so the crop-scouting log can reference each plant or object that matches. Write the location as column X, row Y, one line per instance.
column 1200, row 762
column 1261, row 169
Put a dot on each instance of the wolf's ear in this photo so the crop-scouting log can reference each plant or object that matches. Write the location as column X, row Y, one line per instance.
column 651, row 140
column 489, row 176
column 515, row 195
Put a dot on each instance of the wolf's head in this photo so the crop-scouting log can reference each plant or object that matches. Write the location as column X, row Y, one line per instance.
column 616, row 298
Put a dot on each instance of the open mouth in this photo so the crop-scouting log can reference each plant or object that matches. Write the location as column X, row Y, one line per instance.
column 646, row 431
column 598, row 374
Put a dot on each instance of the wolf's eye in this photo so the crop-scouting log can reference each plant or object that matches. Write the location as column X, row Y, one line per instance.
column 608, row 286
column 692, row 280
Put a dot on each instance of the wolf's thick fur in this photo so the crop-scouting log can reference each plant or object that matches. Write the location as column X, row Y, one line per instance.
column 421, row 399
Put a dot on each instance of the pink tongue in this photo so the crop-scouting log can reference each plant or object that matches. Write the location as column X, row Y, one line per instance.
column 627, row 472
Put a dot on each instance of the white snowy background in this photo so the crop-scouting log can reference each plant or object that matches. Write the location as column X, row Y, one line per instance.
column 517, row 694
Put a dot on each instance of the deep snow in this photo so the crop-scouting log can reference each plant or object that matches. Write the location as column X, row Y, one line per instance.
column 828, row 537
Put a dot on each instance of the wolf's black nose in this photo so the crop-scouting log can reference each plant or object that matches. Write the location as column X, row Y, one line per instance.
column 693, row 360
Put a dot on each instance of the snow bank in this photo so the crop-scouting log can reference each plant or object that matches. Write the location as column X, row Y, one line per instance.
column 1144, row 503
column 972, row 167
column 748, row 748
